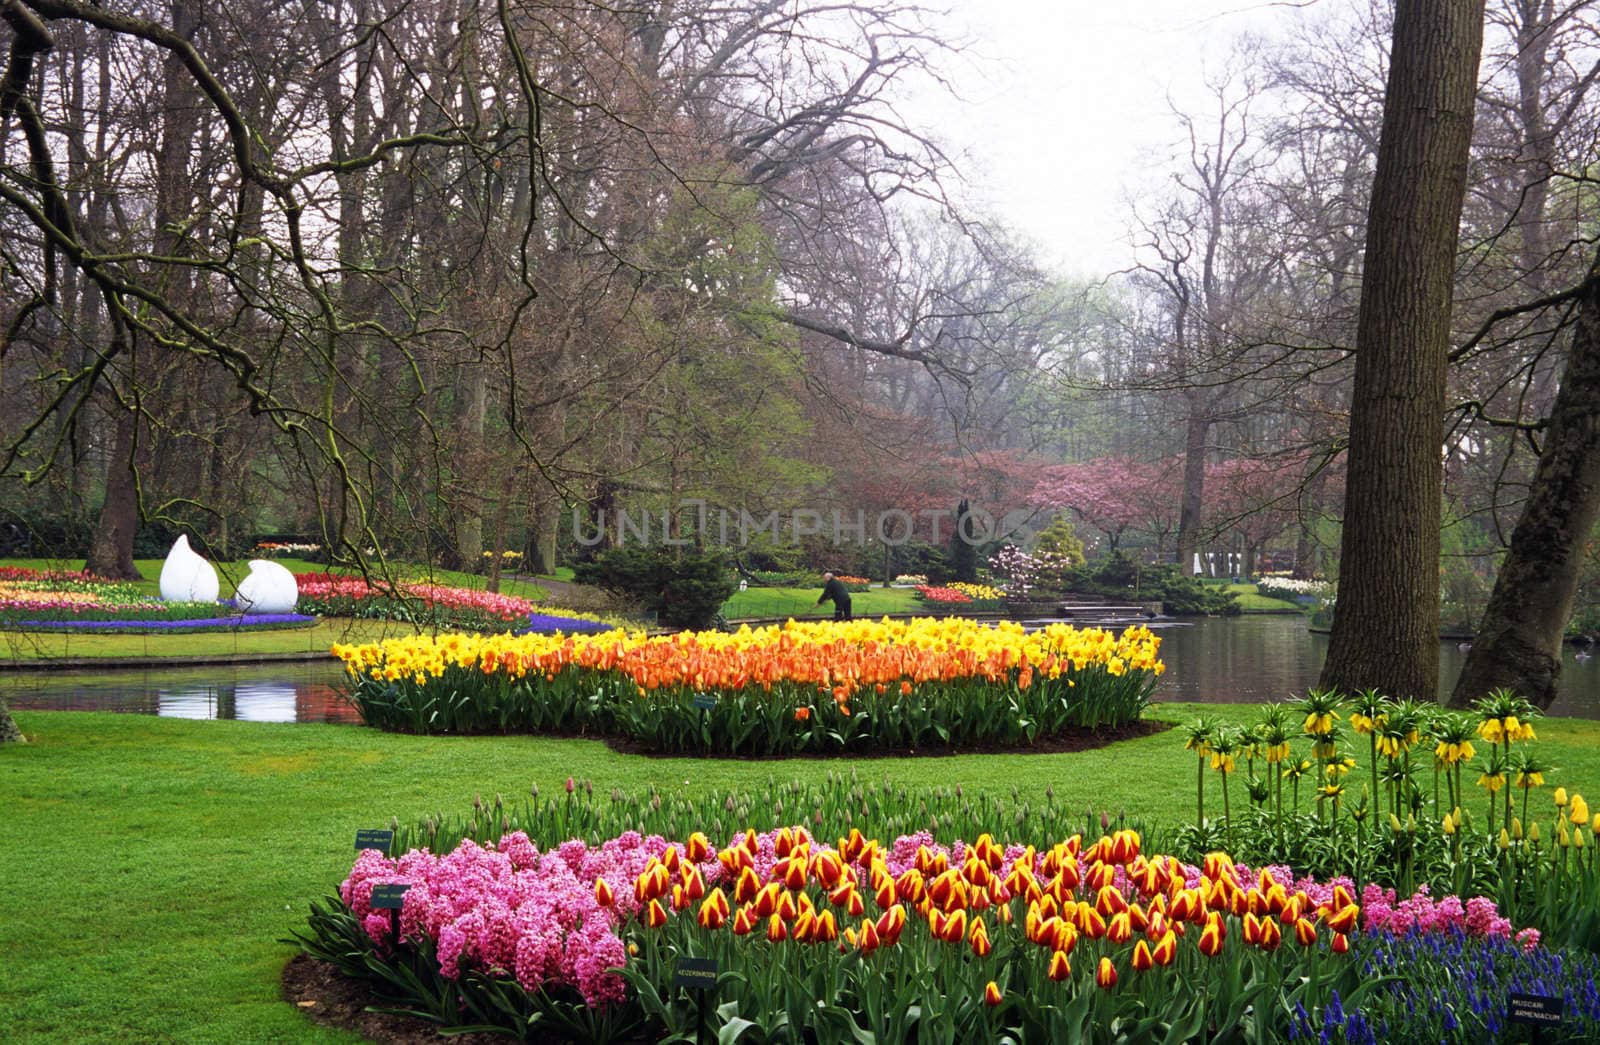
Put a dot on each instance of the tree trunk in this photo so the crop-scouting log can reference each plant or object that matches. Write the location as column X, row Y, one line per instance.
column 1386, row 627
column 1518, row 645
column 111, row 553
column 9, row 733
column 1194, row 479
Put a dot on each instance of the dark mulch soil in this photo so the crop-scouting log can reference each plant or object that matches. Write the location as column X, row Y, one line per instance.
column 1078, row 740
column 320, row 991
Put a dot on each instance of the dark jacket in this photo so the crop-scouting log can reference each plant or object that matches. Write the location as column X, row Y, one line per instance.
column 835, row 592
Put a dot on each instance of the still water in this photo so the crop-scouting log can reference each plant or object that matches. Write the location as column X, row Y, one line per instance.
column 283, row 691
column 1223, row 660
column 1272, row 657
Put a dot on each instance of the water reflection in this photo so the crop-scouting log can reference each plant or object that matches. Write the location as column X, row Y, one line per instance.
column 276, row 692
column 1272, row 657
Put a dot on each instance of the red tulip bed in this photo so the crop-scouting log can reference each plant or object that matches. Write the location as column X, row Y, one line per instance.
column 552, row 919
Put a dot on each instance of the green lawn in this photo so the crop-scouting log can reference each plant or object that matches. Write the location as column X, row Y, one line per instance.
column 154, row 863
column 1250, row 602
column 802, row 602
column 230, row 573
column 54, row 645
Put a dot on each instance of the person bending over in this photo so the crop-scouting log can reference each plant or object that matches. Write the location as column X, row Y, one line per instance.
column 834, row 591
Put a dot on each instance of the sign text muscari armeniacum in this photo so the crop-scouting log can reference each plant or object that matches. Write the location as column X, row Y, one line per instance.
column 696, row 522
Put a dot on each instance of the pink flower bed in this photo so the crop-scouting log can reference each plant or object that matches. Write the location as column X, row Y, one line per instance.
column 945, row 595
column 325, row 586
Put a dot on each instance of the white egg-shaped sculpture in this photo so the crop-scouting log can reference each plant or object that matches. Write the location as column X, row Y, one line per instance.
column 186, row 577
column 270, row 588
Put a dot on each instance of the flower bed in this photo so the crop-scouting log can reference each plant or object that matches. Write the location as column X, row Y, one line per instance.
column 802, row 687
column 339, row 595
column 252, row 621
column 33, row 600
column 909, row 939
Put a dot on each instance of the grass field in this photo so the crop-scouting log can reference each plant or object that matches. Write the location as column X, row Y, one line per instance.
column 1250, row 602
column 152, row 864
column 802, row 602
column 56, row 645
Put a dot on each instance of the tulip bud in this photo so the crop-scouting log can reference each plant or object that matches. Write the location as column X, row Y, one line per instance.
column 1561, row 796
column 1533, row 831
column 1516, row 828
column 1060, row 966
column 992, row 995
column 1449, row 825
column 1564, row 838
column 1579, row 811
column 1394, row 823
column 1505, row 839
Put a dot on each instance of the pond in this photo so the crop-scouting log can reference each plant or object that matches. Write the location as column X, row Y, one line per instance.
column 1264, row 657
column 1221, row 660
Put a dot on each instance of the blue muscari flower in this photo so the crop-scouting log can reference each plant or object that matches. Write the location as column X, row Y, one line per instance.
column 1334, row 1013
column 1450, row 1023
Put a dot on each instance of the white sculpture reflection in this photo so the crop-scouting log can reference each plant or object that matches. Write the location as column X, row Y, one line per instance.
column 186, row 577
column 270, row 588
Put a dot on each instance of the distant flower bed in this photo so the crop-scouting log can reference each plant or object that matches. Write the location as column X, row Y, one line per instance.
column 434, row 605
column 1290, row 590
column 549, row 623
column 284, row 550
column 802, row 688
column 854, row 583
column 978, row 592
column 910, row 580
column 254, row 622
column 946, row 596
column 36, row 599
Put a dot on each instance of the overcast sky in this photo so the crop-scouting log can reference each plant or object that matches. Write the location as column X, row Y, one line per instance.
column 1065, row 110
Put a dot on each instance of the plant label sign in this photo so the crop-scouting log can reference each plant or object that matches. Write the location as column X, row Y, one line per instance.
column 704, row 701
column 1533, row 1008
column 389, row 896
column 374, row 839
column 697, row 974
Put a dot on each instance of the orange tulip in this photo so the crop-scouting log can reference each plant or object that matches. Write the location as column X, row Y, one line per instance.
column 777, row 931
column 804, row 925
column 1109, row 901
column 826, row 928
column 698, row 848
column 905, row 691
column 890, row 924
column 1143, row 961
column 1305, row 933
column 801, row 714
column 785, row 908
column 978, row 939
column 712, row 914
column 885, row 896
column 748, row 885
column 1166, row 949
column 656, row 915
column 1213, row 935
column 1341, row 944
column 1344, row 919
column 744, row 921
column 602, row 893
column 1090, row 923
column 869, row 940
column 1060, row 966
column 1106, row 974
column 1065, row 937
column 1121, row 928
column 991, row 991
column 1271, row 935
